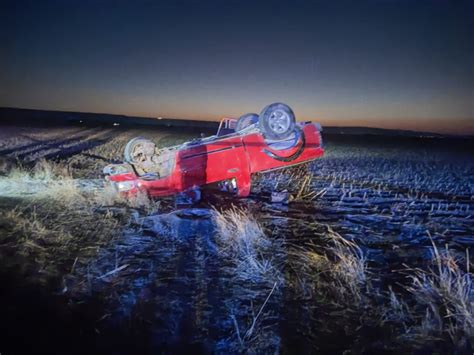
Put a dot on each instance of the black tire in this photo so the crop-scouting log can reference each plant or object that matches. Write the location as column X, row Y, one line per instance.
column 277, row 121
column 246, row 120
column 131, row 147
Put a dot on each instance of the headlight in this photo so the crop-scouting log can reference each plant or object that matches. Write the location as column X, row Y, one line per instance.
column 125, row 185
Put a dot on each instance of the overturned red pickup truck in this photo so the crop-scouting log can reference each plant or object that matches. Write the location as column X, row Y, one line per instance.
column 253, row 143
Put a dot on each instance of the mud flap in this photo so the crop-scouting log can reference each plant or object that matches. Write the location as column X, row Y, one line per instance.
column 243, row 186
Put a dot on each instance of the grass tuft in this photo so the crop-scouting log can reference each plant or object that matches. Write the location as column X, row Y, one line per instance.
column 348, row 266
column 446, row 294
column 242, row 239
column 47, row 180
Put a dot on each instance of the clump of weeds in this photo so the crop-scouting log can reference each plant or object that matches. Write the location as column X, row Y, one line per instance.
column 441, row 306
column 251, row 261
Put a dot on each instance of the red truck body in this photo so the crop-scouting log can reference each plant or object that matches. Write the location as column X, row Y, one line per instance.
column 232, row 156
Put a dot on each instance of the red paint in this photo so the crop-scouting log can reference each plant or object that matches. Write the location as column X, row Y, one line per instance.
column 233, row 156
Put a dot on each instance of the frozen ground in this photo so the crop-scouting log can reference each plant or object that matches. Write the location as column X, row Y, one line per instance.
column 331, row 271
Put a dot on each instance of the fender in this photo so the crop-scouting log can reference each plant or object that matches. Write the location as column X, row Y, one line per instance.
column 293, row 156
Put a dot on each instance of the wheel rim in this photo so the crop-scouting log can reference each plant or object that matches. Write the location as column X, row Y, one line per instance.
column 279, row 121
column 138, row 152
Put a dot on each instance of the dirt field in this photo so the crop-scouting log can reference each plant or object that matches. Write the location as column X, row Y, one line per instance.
column 370, row 255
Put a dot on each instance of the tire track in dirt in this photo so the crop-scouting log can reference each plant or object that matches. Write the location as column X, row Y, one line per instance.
column 61, row 149
column 80, row 146
column 24, row 137
column 38, row 145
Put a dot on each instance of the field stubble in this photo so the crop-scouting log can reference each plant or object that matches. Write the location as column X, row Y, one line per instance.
column 371, row 253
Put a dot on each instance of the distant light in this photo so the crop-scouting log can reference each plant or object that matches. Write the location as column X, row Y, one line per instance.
column 159, row 118
column 80, row 121
column 116, row 124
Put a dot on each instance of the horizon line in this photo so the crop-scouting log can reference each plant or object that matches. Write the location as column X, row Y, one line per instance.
column 333, row 124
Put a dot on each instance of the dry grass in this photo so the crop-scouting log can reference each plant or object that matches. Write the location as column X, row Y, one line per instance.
column 253, row 264
column 52, row 181
column 47, row 180
column 339, row 270
column 109, row 197
column 440, row 308
column 441, row 305
column 51, row 236
column 242, row 239
column 336, row 274
column 446, row 294
column 396, row 311
column 57, row 222
column 348, row 267
column 298, row 181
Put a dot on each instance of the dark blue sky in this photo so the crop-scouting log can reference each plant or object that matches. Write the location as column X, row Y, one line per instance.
column 400, row 64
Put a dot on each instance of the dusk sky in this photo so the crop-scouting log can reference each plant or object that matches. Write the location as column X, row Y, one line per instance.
column 395, row 64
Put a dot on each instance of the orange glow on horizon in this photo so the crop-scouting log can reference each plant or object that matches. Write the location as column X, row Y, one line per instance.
column 456, row 126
